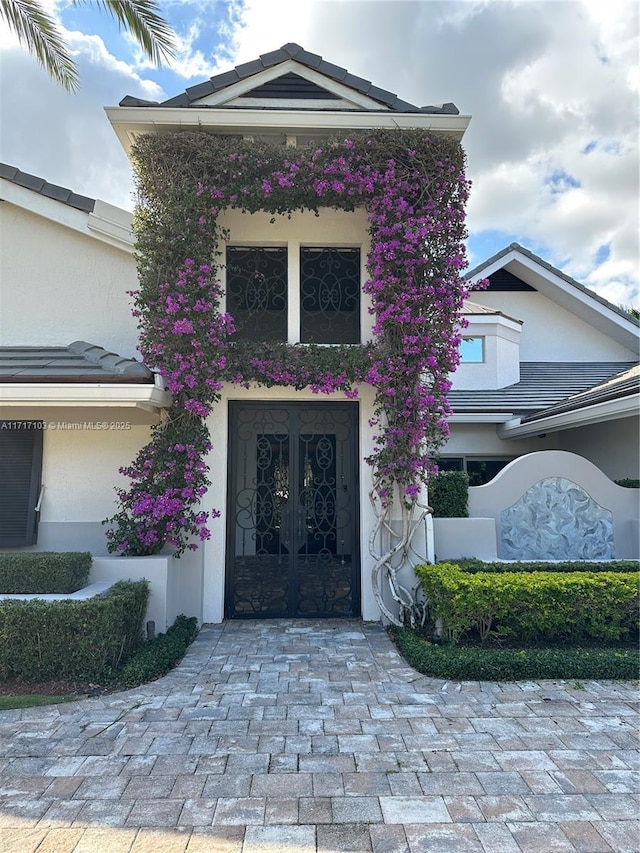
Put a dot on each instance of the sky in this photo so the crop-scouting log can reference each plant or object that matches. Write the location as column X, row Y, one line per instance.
column 552, row 87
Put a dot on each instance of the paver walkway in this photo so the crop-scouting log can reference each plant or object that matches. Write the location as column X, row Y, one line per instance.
column 314, row 737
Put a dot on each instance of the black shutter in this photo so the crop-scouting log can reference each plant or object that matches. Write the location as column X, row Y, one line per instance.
column 20, row 474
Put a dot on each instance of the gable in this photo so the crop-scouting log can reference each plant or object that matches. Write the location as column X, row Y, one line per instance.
column 289, row 85
column 570, row 314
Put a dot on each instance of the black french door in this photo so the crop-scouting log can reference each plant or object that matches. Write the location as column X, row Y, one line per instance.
column 293, row 521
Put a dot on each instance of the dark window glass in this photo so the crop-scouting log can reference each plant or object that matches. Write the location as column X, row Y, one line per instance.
column 330, row 296
column 481, row 471
column 257, row 292
column 20, row 472
column 452, row 463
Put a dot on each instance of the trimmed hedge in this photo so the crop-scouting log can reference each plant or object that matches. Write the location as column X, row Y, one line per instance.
column 161, row 654
column 449, row 494
column 473, row 565
column 530, row 606
column 43, row 572
column 628, row 483
column 84, row 640
column 463, row 663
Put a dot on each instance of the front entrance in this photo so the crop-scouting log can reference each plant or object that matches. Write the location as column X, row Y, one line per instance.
column 293, row 521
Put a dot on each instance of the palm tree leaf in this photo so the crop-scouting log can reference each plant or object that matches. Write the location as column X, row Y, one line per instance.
column 37, row 31
column 145, row 24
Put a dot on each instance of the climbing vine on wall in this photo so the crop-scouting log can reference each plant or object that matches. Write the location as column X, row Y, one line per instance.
column 414, row 190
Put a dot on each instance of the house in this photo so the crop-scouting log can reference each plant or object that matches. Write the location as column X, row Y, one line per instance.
column 547, row 364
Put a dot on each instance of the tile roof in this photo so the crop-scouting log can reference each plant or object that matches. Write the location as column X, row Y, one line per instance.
column 53, row 191
column 542, row 385
column 624, row 384
column 79, row 362
column 516, row 247
column 386, row 99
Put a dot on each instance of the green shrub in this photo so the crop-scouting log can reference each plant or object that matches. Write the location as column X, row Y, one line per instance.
column 449, row 494
column 473, row 565
column 161, row 654
column 528, row 606
column 43, row 571
column 628, row 483
column 84, row 640
column 185, row 627
column 463, row 663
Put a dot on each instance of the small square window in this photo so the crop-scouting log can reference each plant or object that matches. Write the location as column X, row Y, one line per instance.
column 257, row 292
column 329, row 296
column 472, row 351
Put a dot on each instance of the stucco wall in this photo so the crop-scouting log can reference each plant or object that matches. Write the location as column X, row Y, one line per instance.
column 482, row 439
column 612, row 446
column 515, row 479
column 501, row 365
column 79, row 473
column 58, row 286
column 174, row 585
column 550, row 332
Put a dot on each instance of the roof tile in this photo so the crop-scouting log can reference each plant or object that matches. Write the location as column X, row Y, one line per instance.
column 274, row 57
column 201, row 90
column 542, row 384
column 249, row 68
column 227, row 78
column 52, row 191
column 80, row 361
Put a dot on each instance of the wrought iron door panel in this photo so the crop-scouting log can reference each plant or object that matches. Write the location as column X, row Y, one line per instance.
column 292, row 545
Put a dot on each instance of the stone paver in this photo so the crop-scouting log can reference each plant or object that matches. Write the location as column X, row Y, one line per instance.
column 315, row 737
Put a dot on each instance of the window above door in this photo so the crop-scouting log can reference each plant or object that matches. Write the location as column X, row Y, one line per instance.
column 309, row 294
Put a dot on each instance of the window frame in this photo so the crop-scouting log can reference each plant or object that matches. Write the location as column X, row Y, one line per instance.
column 466, row 458
column 482, row 359
column 293, row 249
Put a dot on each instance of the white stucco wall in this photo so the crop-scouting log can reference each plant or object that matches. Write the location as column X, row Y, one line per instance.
column 612, row 446
column 80, row 471
column 501, row 365
column 482, row 439
column 79, row 475
column 550, row 332
column 58, row 285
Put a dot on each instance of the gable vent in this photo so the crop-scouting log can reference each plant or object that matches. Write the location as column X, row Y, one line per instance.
column 291, row 86
column 503, row 281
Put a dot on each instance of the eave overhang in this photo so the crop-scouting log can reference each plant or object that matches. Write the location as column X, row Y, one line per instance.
column 624, row 407
column 120, row 395
column 131, row 122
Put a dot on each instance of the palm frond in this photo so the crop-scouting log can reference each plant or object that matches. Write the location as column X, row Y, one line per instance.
column 37, row 31
column 142, row 19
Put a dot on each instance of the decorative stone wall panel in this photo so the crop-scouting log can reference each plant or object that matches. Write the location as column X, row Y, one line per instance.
column 557, row 520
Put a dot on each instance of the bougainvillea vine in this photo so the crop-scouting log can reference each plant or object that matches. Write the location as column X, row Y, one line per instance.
column 414, row 190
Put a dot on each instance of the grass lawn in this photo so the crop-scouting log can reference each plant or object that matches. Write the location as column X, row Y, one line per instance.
column 31, row 700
